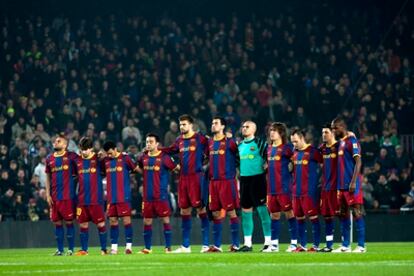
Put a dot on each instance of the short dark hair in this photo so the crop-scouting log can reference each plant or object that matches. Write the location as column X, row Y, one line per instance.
column 157, row 138
column 339, row 120
column 298, row 131
column 109, row 145
column 326, row 125
column 223, row 121
column 186, row 117
column 85, row 143
column 281, row 129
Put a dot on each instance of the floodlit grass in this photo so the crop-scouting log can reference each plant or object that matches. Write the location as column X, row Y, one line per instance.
column 381, row 259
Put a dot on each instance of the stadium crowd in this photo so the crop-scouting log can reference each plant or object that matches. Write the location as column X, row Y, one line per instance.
column 117, row 77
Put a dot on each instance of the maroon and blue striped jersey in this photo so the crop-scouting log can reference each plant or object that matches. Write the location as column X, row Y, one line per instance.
column 349, row 147
column 117, row 169
column 223, row 157
column 330, row 166
column 305, row 171
column 90, row 172
column 61, row 169
column 192, row 152
column 279, row 178
column 156, row 175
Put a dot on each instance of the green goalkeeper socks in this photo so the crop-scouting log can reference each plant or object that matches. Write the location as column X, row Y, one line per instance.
column 265, row 219
column 247, row 222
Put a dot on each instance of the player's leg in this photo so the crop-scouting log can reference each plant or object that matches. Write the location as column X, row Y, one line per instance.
column 311, row 209
column 328, row 211
column 247, row 212
column 217, row 230
column 114, row 233
column 275, row 231
column 167, row 233
column 84, row 238
column 360, row 228
column 147, row 236
column 293, row 230
column 215, row 206
column 102, row 236
column 232, row 202
column 274, row 210
column 300, row 218
column 70, row 236
column 59, row 235
column 197, row 192
column 57, row 221
column 67, row 210
column 344, row 216
column 128, row 234
column 185, row 212
column 316, row 232
column 83, row 220
column 234, row 228
column 259, row 201
column 98, row 218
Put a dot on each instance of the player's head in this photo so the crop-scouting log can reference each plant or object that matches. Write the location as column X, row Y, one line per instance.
column 278, row 132
column 248, row 128
column 339, row 127
column 218, row 125
column 60, row 143
column 327, row 134
column 152, row 142
column 186, row 123
column 297, row 137
column 86, row 146
column 110, row 148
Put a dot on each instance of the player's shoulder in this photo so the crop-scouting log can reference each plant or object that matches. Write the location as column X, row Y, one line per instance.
column 72, row 155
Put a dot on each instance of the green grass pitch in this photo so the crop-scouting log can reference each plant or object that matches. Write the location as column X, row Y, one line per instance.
column 381, row 259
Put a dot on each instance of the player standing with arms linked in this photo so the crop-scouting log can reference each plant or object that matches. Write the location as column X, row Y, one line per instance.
column 192, row 149
column 118, row 166
column 306, row 159
column 155, row 166
column 279, row 185
column 350, row 196
column 60, row 190
column 223, row 158
column 252, row 151
column 90, row 196
column 329, row 200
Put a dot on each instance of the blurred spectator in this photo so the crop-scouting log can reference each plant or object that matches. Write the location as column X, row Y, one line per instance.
column 409, row 200
column 171, row 135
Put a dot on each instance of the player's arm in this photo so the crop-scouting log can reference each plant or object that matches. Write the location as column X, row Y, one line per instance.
column 356, row 154
column 357, row 168
column 169, row 163
column 131, row 165
column 173, row 149
column 47, row 186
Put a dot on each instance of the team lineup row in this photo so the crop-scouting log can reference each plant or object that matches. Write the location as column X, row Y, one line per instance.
column 279, row 176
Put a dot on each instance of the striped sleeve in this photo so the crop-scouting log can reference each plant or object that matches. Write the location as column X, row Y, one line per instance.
column 262, row 145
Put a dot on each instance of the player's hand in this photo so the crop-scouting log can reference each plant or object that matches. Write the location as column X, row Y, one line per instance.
column 101, row 154
column 49, row 200
column 350, row 133
column 352, row 187
column 177, row 169
column 265, row 166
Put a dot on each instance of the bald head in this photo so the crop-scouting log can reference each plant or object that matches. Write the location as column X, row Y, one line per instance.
column 249, row 129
